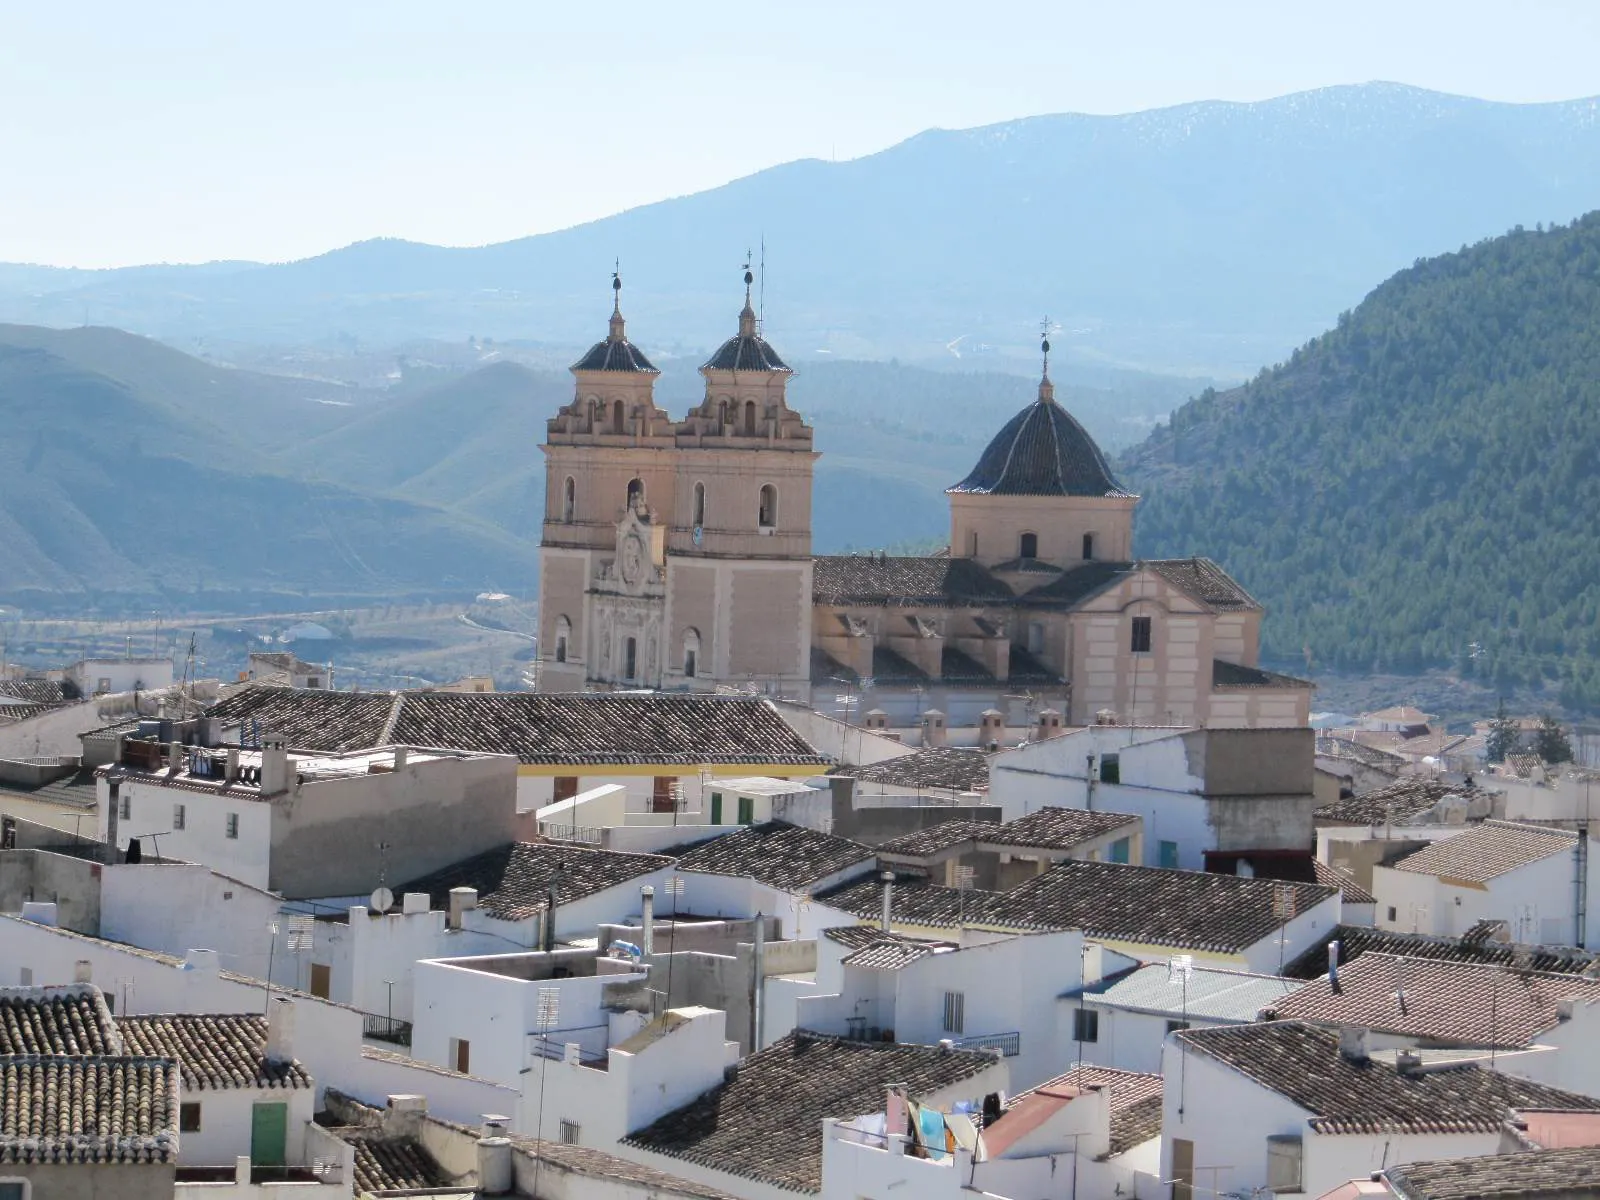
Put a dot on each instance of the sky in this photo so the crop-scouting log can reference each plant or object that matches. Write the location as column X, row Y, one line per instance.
column 172, row 132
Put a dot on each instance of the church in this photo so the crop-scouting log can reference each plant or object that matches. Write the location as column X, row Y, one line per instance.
column 676, row 554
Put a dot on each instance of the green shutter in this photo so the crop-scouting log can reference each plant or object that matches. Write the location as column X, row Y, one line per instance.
column 269, row 1134
column 716, row 808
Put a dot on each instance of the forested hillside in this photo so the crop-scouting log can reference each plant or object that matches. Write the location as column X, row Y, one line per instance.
column 1420, row 485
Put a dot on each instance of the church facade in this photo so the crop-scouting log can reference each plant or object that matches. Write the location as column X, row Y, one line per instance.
column 677, row 554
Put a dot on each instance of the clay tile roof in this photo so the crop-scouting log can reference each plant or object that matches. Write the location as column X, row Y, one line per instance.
column 1151, row 905
column 937, row 838
column 857, row 936
column 765, row 1123
column 944, row 767
column 512, row 881
column 1561, row 1173
column 90, row 1109
column 1042, row 451
column 597, row 1164
column 1135, row 1103
column 1236, row 675
column 614, row 354
column 547, row 728
column 889, row 954
column 1488, row 851
column 1356, row 940
column 916, row 902
column 392, row 1164
column 778, row 854
column 1333, row 877
column 745, row 353
column 1052, row 828
column 1329, row 746
column 1302, row 1063
column 936, row 579
column 1203, row 580
column 56, row 1020
column 218, row 1051
column 1466, row 1004
column 48, row 693
column 1400, row 803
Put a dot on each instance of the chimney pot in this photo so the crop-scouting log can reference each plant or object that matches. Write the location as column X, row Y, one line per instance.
column 402, row 755
column 647, row 920
column 403, row 1117
column 888, row 901
column 280, row 1029
column 495, row 1172
column 462, row 901
column 82, row 971
column 414, row 903
column 1353, row 1043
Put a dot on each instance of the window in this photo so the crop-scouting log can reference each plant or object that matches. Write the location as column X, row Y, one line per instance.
column 1167, row 855
column 972, row 544
column 749, row 418
column 569, row 1133
column 630, row 658
column 1392, row 915
column 747, row 810
column 1119, row 851
column 566, row 787
column 1035, row 637
column 188, row 1118
column 102, row 685
column 1141, row 635
column 1085, row 1025
column 1284, row 1153
column 1028, row 546
column 569, row 500
column 178, row 815
column 233, row 825
column 955, row 1012
column 661, row 798
column 126, row 811
column 1174, row 1026
column 1088, row 545
column 722, row 413
column 688, row 664
column 14, row 1189
column 691, row 653
column 618, row 418
column 563, row 638
column 321, row 980
column 635, row 493
column 767, row 513
column 1111, row 768
column 460, row 1055
column 699, row 506
column 716, row 808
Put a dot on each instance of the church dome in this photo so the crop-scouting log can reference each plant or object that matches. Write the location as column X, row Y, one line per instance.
column 616, row 352
column 748, row 350
column 1042, row 451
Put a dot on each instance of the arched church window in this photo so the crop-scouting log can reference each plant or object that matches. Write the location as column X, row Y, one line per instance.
column 722, row 415
column 767, row 513
column 1028, row 546
column 749, row 418
column 691, row 653
column 699, row 506
column 569, row 500
column 618, row 418
column 1088, row 545
column 635, row 493
column 563, row 638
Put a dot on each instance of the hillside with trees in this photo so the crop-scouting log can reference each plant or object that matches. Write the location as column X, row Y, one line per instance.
column 1417, row 487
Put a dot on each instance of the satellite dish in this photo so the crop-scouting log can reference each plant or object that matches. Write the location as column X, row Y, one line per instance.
column 382, row 900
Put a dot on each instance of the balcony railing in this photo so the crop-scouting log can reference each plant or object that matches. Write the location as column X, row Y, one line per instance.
column 1009, row 1044
column 386, row 1029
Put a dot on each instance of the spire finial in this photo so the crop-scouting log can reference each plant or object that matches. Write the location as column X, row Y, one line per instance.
column 1047, row 390
column 616, row 302
column 747, row 317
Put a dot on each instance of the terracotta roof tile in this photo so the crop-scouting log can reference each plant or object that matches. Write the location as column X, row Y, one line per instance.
column 1042, row 451
column 90, row 1109
column 1448, row 1003
column 56, row 1020
column 1357, row 940
column 937, row 838
column 944, row 767
column 937, row 579
column 1488, row 851
column 1400, row 803
column 1052, row 828
column 889, row 954
column 1555, row 1173
column 916, row 902
column 765, row 1123
column 778, row 854
column 1237, row 675
column 1333, row 877
column 391, row 1164
column 1135, row 1101
column 1303, row 1064
column 215, row 1051
column 512, row 880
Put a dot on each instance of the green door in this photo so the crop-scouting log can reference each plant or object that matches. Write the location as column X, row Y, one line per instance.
column 747, row 810
column 716, row 808
column 269, row 1131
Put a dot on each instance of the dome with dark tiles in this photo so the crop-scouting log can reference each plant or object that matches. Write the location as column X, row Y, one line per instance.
column 1042, row 451
column 616, row 352
column 748, row 350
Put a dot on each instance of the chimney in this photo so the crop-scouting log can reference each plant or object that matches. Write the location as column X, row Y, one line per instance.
column 1333, row 967
column 571, row 1053
column 647, row 911
column 1408, row 1063
column 83, row 971
column 108, row 852
column 280, row 1029
column 403, row 1117
column 933, row 732
column 495, row 1174
column 888, row 900
column 1353, row 1044
column 414, row 903
column 174, row 754
column 462, row 901
column 402, row 755
column 232, row 771
column 274, row 764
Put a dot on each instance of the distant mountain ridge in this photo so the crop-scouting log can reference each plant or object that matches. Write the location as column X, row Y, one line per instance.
column 1210, row 236
column 1417, row 487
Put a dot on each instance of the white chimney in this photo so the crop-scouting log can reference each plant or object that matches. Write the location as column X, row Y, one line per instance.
column 888, row 901
column 274, row 764
column 1353, row 1043
column 83, row 971
column 402, row 755
column 280, row 1029
column 495, row 1174
column 462, row 901
column 647, row 912
column 231, row 772
column 414, row 903
column 174, row 754
column 403, row 1118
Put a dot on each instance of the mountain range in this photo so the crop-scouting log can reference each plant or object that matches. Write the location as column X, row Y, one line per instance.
column 1416, row 487
column 1208, row 238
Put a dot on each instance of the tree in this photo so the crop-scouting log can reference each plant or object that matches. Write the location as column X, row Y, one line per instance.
column 1502, row 739
column 1551, row 742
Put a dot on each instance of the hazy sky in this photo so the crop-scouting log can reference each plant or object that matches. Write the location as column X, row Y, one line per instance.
column 185, row 132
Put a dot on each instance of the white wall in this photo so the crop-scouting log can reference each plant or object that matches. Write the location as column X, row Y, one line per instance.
column 176, row 908
column 225, row 1121
column 204, row 838
column 1537, row 898
column 378, row 1075
column 1131, row 1041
